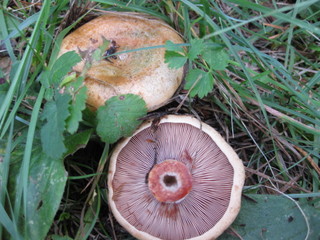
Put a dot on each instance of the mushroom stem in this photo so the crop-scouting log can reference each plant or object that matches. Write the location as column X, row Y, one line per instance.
column 170, row 181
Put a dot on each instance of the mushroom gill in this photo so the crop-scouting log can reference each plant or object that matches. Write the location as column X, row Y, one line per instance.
column 197, row 212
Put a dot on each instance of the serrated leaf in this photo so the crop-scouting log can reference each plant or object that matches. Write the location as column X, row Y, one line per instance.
column 78, row 104
column 63, row 66
column 199, row 82
column 196, row 48
column 119, row 117
column 174, row 55
column 216, row 58
column 68, row 79
column 175, row 59
column 55, row 113
column 98, row 53
column 76, row 108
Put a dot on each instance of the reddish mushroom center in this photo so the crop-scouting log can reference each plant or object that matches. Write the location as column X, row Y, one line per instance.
column 170, row 181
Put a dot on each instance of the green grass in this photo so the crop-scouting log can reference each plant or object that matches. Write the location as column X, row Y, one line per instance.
column 265, row 102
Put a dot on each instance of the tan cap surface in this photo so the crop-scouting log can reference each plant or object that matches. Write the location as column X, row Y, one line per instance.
column 141, row 72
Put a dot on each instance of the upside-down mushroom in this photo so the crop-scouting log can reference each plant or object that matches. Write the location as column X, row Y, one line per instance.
column 173, row 180
column 141, row 72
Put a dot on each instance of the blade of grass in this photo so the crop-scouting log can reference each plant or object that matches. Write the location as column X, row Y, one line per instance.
column 58, row 40
column 9, row 225
column 84, row 176
column 277, row 13
column 4, row 33
column 4, row 171
column 25, row 24
column 272, row 65
column 304, row 97
column 289, row 57
column 91, row 216
column 24, row 170
column 305, row 195
column 18, row 78
column 267, row 12
column 316, row 149
column 15, row 108
column 23, row 175
column 84, row 229
column 133, row 7
column 233, row 51
column 22, row 71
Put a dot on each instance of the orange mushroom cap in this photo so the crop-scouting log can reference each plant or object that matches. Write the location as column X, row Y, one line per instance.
column 142, row 72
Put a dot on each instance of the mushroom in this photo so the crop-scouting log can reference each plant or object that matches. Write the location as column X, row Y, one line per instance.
column 175, row 179
column 141, row 72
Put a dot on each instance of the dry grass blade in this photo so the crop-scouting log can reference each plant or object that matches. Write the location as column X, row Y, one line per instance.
column 310, row 160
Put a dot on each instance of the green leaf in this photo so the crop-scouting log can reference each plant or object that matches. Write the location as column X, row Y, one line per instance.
column 76, row 141
column 55, row 113
column 274, row 217
column 216, row 58
column 78, row 104
column 97, row 54
column 199, row 82
column 175, row 59
column 45, row 78
column 45, row 187
column 63, row 66
column 68, row 79
column 197, row 46
column 315, row 47
column 174, row 55
column 47, row 179
column 119, row 117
